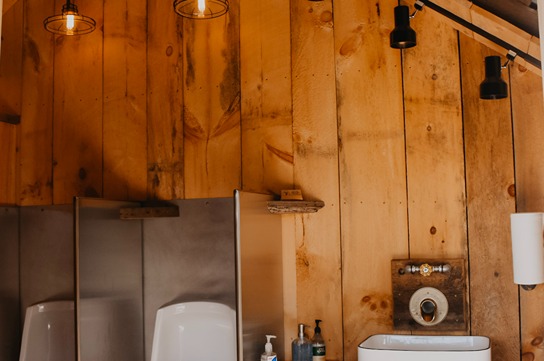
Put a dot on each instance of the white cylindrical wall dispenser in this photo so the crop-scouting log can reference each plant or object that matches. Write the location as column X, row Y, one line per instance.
column 528, row 247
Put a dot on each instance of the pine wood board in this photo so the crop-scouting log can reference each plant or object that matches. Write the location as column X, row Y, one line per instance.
column 8, row 4
column 528, row 114
column 124, row 113
column 490, row 183
column 265, row 77
column 10, row 103
column 78, row 113
column 371, row 166
column 11, row 63
column 212, row 106
column 164, row 102
column 493, row 25
column 36, row 129
column 315, row 145
column 434, row 143
column 8, row 164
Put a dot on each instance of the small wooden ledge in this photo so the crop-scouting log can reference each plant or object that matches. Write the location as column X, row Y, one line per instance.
column 148, row 212
column 288, row 207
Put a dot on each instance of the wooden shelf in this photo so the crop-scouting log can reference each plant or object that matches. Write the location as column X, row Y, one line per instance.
column 289, row 207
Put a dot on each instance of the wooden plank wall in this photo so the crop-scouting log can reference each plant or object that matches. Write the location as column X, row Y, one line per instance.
column 409, row 161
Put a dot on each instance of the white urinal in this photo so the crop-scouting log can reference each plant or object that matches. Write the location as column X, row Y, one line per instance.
column 48, row 333
column 195, row 331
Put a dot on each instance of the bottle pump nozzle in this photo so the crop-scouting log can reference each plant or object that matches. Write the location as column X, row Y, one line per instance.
column 268, row 345
column 301, row 330
column 317, row 328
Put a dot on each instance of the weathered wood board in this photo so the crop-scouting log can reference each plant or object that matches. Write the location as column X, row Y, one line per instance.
column 315, row 145
column 165, row 137
column 372, row 166
column 124, row 114
column 490, row 199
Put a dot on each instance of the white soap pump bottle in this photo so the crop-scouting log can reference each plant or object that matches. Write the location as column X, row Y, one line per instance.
column 268, row 354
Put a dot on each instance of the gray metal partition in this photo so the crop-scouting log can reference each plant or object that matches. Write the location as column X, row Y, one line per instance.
column 225, row 249
column 10, row 326
column 109, row 289
column 260, row 276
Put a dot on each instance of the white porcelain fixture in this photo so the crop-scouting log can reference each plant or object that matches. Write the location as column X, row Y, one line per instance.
column 48, row 333
column 195, row 331
column 424, row 348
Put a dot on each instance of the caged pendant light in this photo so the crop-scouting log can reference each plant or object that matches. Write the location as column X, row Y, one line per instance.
column 69, row 22
column 201, row 9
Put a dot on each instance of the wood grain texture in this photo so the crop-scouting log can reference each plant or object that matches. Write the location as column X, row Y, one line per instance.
column 36, row 129
column 10, row 101
column 211, row 100
column 315, row 141
column 78, row 112
column 528, row 113
column 8, row 164
column 490, row 182
column 164, row 102
column 124, row 113
column 434, row 142
column 11, row 61
column 372, row 166
column 267, row 124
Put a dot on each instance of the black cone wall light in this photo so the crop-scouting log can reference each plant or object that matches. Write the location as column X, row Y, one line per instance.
column 403, row 36
column 493, row 86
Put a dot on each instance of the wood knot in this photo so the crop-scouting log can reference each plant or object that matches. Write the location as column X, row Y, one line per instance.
column 512, row 190
column 366, row 299
column 528, row 356
column 169, row 50
column 326, row 16
column 433, row 230
column 537, row 341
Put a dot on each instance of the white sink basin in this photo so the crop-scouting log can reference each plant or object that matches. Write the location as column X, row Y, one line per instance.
column 424, row 348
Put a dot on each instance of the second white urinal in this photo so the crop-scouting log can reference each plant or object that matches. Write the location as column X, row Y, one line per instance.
column 195, row 331
column 48, row 333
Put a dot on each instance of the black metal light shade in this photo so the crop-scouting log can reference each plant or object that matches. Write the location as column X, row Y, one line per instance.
column 69, row 22
column 402, row 36
column 201, row 9
column 493, row 87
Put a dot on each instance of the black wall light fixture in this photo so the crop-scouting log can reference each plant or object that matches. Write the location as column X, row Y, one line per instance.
column 403, row 36
column 493, row 86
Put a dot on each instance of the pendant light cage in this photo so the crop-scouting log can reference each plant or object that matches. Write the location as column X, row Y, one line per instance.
column 189, row 9
column 70, row 22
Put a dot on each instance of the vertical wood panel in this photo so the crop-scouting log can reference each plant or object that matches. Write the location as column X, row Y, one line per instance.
column 125, row 148
column 434, row 142
column 11, row 60
column 212, row 105
column 315, row 141
column 490, row 184
column 372, row 166
column 164, row 102
column 36, row 128
column 528, row 114
column 265, row 52
column 78, row 104
column 10, row 99
column 8, row 163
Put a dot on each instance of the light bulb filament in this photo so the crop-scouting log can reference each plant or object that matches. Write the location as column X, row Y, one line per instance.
column 70, row 22
column 201, row 7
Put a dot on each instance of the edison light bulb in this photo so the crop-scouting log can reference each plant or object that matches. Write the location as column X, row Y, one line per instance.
column 70, row 22
column 201, row 7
